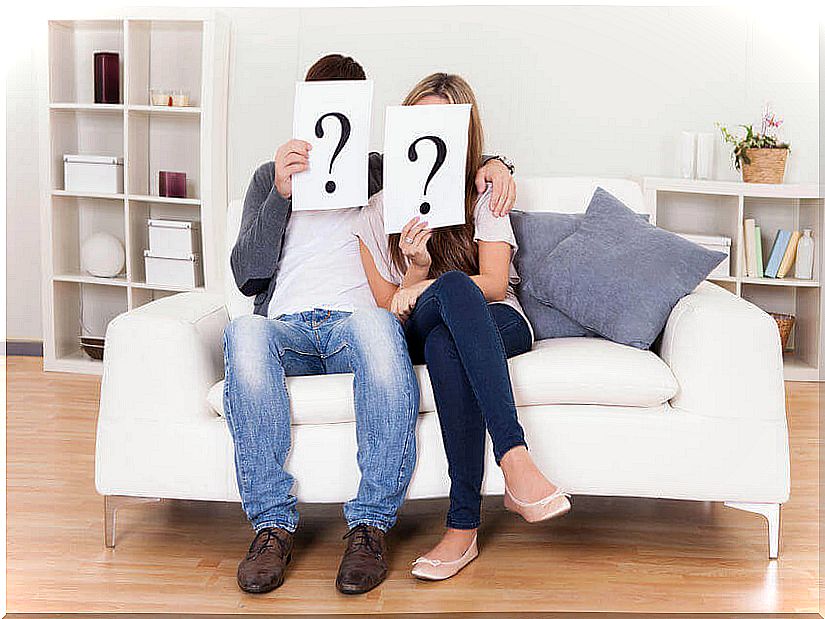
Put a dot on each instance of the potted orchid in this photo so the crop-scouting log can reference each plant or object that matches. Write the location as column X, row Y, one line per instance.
column 759, row 154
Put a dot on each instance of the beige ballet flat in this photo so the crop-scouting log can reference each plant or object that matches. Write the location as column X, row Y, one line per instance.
column 433, row 569
column 551, row 506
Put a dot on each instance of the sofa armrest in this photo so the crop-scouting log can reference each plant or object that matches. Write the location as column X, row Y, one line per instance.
column 726, row 356
column 161, row 359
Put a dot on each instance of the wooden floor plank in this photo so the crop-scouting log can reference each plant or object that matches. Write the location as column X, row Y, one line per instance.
column 608, row 554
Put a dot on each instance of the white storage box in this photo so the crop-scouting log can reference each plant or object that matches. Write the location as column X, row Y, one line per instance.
column 714, row 243
column 172, row 238
column 178, row 272
column 93, row 174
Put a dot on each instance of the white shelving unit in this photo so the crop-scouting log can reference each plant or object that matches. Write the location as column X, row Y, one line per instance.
column 720, row 208
column 189, row 54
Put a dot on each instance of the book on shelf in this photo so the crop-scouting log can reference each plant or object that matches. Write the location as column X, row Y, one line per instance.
column 750, row 247
column 760, row 267
column 780, row 244
column 790, row 255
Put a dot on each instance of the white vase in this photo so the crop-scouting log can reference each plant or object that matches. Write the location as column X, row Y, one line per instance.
column 704, row 155
column 687, row 154
column 102, row 255
column 805, row 256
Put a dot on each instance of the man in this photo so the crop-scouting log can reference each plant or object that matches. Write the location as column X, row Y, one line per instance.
column 314, row 314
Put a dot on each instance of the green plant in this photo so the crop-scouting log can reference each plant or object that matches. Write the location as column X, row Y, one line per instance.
column 765, row 138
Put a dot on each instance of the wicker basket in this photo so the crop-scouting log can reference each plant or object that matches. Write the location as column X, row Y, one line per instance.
column 785, row 323
column 767, row 165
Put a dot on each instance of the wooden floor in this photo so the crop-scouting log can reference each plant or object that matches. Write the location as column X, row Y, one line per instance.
column 608, row 554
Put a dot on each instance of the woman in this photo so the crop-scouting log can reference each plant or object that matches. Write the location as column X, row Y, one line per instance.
column 451, row 289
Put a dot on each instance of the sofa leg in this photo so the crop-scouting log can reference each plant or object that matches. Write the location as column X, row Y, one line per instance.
column 111, row 503
column 771, row 513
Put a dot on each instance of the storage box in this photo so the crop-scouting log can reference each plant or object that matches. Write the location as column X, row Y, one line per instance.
column 714, row 243
column 178, row 272
column 170, row 238
column 93, row 173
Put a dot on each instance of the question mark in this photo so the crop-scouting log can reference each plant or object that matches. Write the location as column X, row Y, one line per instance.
column 342, row 140
column 440, row 156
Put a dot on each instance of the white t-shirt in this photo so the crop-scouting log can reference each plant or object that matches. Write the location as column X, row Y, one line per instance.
column 320, row 265
column 488, row 227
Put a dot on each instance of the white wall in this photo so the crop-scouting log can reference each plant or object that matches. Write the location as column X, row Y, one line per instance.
column 563, row 90
column 23, row 313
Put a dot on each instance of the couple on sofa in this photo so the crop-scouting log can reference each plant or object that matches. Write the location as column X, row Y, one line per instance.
column 335, row 294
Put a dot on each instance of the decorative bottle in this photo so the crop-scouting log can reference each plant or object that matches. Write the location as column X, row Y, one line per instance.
column 805, row 256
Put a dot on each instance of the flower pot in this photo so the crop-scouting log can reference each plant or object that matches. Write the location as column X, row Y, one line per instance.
column 767, row 165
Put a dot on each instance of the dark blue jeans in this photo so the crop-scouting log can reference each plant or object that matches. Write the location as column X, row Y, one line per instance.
column 465, row 343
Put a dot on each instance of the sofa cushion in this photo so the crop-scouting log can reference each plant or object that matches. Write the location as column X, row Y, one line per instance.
column 558, row 371
column 537, row 235
column 620, row 276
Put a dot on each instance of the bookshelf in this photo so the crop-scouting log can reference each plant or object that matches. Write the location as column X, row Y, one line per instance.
column 190, row 54
column 720, row 208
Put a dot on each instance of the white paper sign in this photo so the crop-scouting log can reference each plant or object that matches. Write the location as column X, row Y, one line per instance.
column 335, row 118
column 425, row 158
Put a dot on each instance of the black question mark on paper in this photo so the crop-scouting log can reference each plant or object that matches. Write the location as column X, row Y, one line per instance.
column 440, row 156
column 346, row 129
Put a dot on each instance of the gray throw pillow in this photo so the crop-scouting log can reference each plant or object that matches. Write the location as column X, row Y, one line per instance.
column 537, row 234
column 620, row 276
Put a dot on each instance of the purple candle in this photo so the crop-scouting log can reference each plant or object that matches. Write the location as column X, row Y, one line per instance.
column 107, row 77
column 172, row 184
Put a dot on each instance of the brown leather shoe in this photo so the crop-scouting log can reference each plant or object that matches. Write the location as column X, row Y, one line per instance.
column 264, row 565
column 363, row 566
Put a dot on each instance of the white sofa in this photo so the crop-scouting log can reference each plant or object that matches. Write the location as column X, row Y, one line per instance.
column 702, row 418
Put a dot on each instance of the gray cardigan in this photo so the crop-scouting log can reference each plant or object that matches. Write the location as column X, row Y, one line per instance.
column 266, row 212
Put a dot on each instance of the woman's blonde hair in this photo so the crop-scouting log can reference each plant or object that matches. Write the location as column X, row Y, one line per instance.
column 451, row 248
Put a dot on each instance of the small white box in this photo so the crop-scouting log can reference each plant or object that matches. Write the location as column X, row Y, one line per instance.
column 172, row 238
column 714, row 243
column 177, row 272
column 93, row 174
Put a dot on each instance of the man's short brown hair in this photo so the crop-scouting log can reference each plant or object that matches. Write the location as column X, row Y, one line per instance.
column 335, row 67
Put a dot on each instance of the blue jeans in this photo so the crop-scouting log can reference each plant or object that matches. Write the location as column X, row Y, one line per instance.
column 260, row 352
column 465, row 343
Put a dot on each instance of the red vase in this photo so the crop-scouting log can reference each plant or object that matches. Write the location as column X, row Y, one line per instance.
column 107, row 77
column 172, row 184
